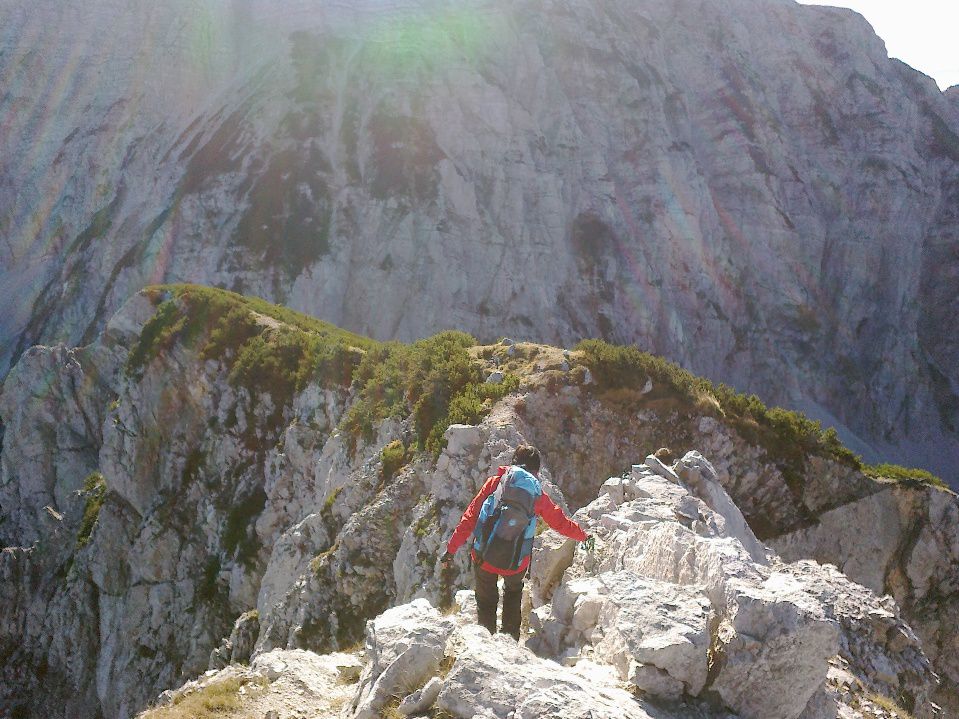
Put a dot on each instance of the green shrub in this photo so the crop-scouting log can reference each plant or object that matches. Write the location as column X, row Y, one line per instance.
column 270, row 349
column 157, row 335
column 393, row 456
column 327, row 509
column 207, row 587
column 903, row 474
column 316, row 564
column 469, row 406
column 786, row 435
column 95, row 492
column 436, row 380
column 626, row 366
column 423, row 526
column 260, row 342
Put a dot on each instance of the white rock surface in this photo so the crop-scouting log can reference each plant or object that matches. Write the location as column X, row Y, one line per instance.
column 656, row 634
column 280, row 684
column 421, row 699
column 760, row 633
column 405, row 645
column 493, row 677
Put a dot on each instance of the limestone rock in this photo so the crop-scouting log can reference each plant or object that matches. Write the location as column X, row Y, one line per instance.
column 405, row 645
column 493, row 677
column 697, row 473
column 461, row 438
column 217, row 502
column 238, row 647
column 276, row 683
column 677, row 587
column 421, row 699
column 656, row 634
column 874, row 541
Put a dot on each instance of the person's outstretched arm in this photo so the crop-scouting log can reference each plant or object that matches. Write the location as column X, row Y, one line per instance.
column 556, row 519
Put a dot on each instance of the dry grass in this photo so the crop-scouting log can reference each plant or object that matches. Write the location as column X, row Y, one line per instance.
column 392, row 710
column 889, row 705
column 337, row 703
column 445, row 666
column 214, row 701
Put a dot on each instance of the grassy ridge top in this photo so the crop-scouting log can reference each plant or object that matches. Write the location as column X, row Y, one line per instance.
column 787, row 436
column 441, row 380
column 272, row 349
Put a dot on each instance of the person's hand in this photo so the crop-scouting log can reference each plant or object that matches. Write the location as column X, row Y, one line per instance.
column 589, row 543
column 447, row 560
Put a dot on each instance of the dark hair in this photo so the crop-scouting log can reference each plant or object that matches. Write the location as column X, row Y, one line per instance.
column 527, row 457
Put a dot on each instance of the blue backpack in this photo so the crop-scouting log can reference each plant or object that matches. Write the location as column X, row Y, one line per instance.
column 507, row 521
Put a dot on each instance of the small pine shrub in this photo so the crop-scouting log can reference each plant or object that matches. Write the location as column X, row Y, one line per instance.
column 436, row 380
column 327, row 509
column 95, row 492
column 265, row 346
column 207, row 586
column 268, row 349
column 393, row 457
column 786, row 435
column 157, row 336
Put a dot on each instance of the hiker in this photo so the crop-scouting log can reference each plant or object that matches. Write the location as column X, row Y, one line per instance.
column 502, row 520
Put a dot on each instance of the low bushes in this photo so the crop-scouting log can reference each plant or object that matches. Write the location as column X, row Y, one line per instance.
column 267, row 348
column 903, row 474
column 435, row 380
column 394, row 457
column 95, row 492
column 271, row 349
column 785, row 434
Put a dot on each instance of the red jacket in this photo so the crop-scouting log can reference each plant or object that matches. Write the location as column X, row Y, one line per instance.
column 544, row 507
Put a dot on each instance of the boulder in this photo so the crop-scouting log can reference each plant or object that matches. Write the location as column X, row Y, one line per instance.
column 405, row 646
column 698, row 474
column 421, row 699
column 462, row 438
column 495, row 677
column 655, row 634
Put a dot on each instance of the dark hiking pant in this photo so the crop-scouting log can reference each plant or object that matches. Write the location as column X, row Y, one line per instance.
column 487, row 599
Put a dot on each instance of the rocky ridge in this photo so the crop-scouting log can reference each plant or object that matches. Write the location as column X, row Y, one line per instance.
column 679, row 612
column 218, row 502
column 752, row 188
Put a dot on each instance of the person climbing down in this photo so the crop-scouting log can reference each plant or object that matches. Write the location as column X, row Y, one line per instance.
column 502, row 521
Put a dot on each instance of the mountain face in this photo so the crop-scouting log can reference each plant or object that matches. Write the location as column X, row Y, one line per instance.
column 751, row 188
column 164, row 511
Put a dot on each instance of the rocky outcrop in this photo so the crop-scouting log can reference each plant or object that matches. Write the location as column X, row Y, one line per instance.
column 670, row 616
column 276, row 685
column 901, row 541
column 405, row 646
column 127, row 585
column 778, row 215
column 679, row 605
